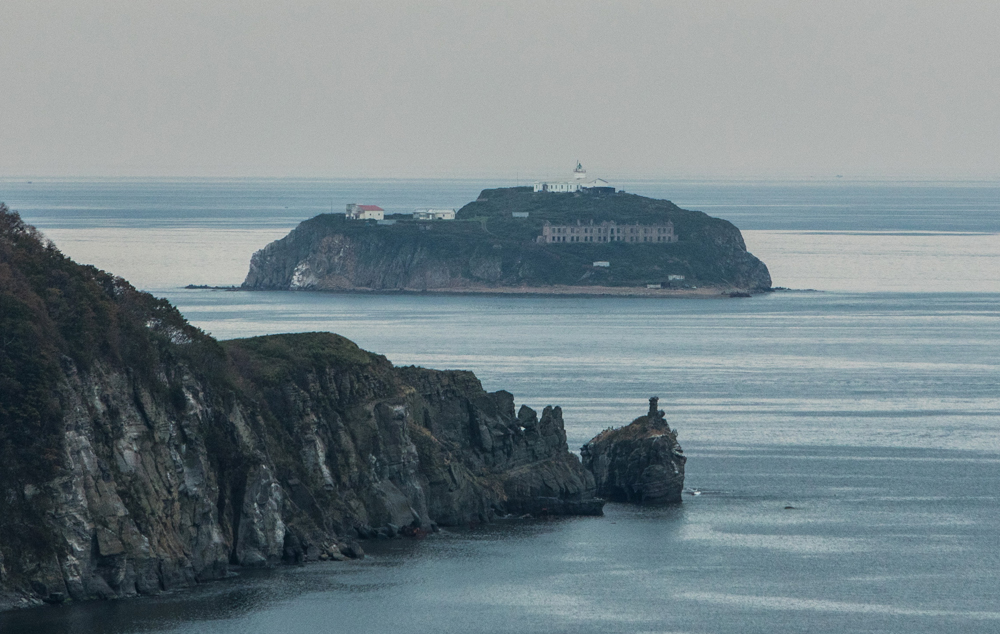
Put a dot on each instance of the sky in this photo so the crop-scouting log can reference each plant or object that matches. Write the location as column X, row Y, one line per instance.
column 704, row 89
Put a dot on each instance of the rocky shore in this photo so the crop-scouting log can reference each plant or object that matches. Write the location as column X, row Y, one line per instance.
column 141, row 455
column 556, row 290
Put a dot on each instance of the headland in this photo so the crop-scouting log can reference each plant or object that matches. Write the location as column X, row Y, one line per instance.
column 142, row 455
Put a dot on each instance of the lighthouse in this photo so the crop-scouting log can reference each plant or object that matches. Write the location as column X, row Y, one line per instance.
column 578, row 184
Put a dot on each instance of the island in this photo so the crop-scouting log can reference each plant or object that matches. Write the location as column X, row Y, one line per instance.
column 138, row 454
column 553, row 240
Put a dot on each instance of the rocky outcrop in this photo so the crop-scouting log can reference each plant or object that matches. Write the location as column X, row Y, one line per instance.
column 486, row 247
column 522, row 459
column 138, row 454
column 641, row 462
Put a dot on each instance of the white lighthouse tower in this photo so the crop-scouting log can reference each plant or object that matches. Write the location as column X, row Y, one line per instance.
column 579, row 173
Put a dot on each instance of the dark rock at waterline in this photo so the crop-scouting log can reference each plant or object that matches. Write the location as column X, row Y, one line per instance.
column 352, row 550
column 641, row 462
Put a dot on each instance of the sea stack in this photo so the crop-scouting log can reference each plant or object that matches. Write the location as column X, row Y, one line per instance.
column 640, row 463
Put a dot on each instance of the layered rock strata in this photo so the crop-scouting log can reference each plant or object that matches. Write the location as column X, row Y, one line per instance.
column 641, row 462
column 138, row 454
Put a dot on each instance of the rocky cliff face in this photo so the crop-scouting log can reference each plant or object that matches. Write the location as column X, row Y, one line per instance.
column 311, row 258
column 641, row 462
column 137, row 454
column 486, row 247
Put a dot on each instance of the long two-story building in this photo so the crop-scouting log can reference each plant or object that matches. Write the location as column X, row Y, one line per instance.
column 608, row 231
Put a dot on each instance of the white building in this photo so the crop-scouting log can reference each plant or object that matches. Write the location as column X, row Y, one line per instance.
column 434, row 214
column 579, row 183
column 364, row 212
column 557, row 187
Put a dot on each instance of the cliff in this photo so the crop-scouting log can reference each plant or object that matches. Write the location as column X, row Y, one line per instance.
column 486, row 247
column 138, row 454
column 641, row 462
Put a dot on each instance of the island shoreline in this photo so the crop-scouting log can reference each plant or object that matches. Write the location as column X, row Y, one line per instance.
column 540, row 291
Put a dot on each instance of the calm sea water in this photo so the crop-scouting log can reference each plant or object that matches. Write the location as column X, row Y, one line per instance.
column 872, row 408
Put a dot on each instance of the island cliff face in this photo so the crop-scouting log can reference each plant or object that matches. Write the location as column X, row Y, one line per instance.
column 138, row 454
column 641, row 462
column 487, row 247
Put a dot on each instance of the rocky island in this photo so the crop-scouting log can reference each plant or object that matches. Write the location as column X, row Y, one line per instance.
column 640, row 463
column 138, row 454
column 519, row 240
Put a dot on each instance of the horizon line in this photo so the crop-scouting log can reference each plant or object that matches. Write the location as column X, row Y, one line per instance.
column 508, row 178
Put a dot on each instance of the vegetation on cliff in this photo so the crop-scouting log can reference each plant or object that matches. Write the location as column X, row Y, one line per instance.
column 487, row 246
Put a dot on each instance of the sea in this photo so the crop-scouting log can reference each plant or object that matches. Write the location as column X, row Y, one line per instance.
column 842, row 434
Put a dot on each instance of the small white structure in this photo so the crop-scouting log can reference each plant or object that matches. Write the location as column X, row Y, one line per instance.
column 577, row 184
column 602, row 264
column 675, row 278
column 434, row 214
column 519, row 214
column 364, row 212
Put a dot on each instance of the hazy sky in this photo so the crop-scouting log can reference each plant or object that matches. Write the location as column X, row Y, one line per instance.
column 662, row 89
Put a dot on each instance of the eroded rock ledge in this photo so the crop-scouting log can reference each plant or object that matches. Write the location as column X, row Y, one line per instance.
column 641, row 462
